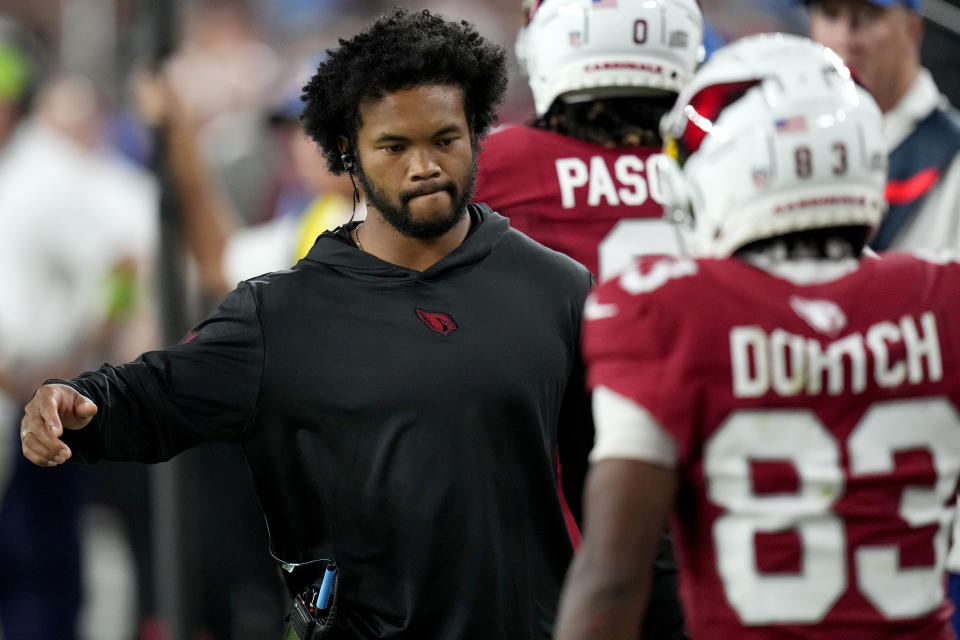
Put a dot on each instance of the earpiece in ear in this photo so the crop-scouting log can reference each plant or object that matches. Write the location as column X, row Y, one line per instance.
column 350, row 164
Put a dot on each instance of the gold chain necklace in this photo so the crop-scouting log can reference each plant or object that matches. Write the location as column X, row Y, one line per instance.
column 356, row 237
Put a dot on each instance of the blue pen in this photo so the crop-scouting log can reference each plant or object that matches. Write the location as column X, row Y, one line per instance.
column 323, row 598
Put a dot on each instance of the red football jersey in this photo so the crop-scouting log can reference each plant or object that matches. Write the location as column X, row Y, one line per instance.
column 594, row 204
column 815, row 431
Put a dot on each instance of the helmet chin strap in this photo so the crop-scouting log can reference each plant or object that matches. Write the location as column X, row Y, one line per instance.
column 673, row 188
column 667, row 176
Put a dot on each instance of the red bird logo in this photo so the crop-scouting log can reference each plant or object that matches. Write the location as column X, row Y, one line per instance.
column 439, row 322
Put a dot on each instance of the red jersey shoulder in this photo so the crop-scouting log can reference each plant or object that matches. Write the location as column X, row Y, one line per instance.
column 900, row 282
column 712, row 310
column 509, row 178
column 677, row 285
column 651, row 275
column 913, row 269
column 736, row 291
column 505, row 144
column 641, row 301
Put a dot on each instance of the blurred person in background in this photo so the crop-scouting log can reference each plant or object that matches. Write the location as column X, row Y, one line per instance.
column 308, row 201
column 78, row 231
column 225, row 72
column 880, row 41
column 19, row 71
column 240, row 600
column 576, row 178
column 734, row 19
column 307, row 198
column 253, row 194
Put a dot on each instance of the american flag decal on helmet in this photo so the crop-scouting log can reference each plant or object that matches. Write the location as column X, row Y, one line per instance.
column 795, row 124
column 678, row 39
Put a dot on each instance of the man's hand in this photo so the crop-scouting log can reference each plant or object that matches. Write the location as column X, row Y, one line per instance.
column 53, row 408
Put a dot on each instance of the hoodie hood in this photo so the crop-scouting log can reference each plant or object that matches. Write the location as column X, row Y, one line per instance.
column 335, row 249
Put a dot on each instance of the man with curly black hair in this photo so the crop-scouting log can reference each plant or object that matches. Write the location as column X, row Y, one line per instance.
column 404, row 394
column 444, row 66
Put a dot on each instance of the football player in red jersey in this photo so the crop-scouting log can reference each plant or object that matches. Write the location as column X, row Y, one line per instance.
column 602, row 76
column 791, row 401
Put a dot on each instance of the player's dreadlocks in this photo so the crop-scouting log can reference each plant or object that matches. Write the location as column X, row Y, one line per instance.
column 612, row 122
column 402, row 50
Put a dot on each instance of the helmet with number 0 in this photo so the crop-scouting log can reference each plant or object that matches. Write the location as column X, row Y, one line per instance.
column 772, row 136
column 579, row 50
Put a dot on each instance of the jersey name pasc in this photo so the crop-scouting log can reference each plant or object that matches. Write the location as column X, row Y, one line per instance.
column 816, row 432
column 594, row 204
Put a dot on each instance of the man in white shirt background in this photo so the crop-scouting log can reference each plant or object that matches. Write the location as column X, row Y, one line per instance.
column 79, row 225
column 880, row 41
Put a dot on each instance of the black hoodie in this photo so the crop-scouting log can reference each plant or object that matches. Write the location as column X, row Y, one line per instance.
column 403, row 423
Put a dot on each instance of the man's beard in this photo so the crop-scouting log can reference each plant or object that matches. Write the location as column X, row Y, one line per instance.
column 401, row 219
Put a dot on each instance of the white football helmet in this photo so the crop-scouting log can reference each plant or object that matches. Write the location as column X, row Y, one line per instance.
column 773, row 136
column 586, row 49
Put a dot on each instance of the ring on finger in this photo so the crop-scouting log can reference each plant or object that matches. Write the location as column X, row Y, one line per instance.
column 24, row 433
